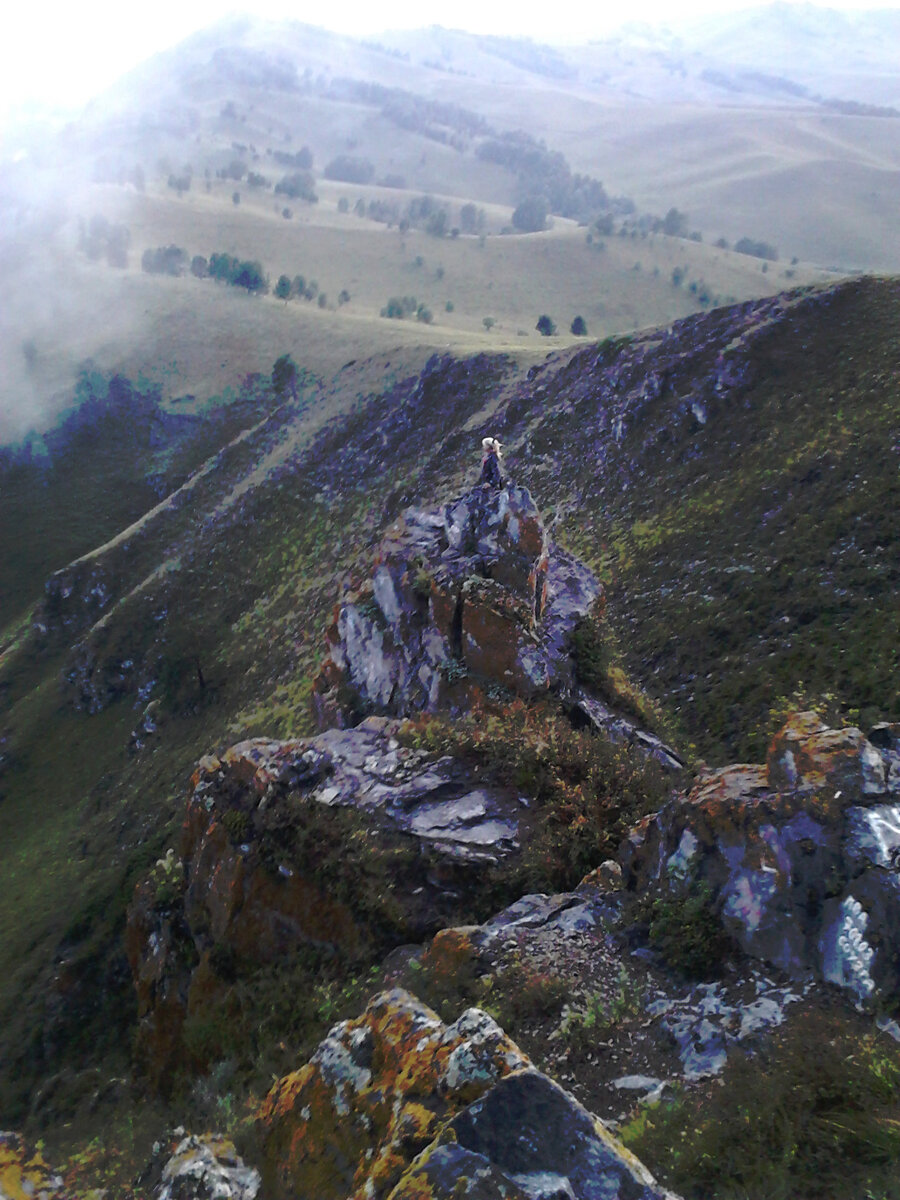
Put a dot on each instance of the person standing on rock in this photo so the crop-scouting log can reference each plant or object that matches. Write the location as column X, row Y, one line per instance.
column 490, row 464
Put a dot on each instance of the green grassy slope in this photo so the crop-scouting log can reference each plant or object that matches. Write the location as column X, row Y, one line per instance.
column 747, row 549
column 748, row 540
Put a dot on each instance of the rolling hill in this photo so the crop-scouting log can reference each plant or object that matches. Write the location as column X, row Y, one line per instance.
column 430, row 115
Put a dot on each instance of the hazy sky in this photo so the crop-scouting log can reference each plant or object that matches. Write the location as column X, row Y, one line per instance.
column 62, row 53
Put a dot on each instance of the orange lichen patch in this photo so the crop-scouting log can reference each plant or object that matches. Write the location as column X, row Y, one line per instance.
column 208, row 765
column 497, row 629
column 531, row 539
column 722, row 789
column 736, row 802
column 451, row 956
column 24, row 1174
column 243, row 905
column 257, row 761
column 807, row 754
column 374, row 1095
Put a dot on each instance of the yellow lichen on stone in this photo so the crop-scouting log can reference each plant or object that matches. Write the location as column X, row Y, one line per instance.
column 375, row 1094
column 24, row 1174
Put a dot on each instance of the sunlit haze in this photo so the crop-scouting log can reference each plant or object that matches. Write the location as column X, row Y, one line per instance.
column 58, row 56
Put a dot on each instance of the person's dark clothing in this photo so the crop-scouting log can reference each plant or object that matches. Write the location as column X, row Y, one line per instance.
column 490, row 471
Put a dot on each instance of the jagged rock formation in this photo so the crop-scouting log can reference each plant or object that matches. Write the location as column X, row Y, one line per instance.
column 241, row 884
column 398, row 1105
column 469, row 596
column 800, row 855
column 471, row 600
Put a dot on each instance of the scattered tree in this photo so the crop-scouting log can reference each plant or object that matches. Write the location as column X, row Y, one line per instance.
column 488, row 323
column 579, row 327
column 235, row 198
column 284, row 375
column 757, row 249
column 674, row 223
column 471, row 218
column 239, row 273
column 349, row 169
column 164, row 260
column 298, row 186
column 399, row 307
column 199, row 266
column 530, row 216
column 604, row 225
column 250, row 275
column 545, row 326
column 436, row 225
column 283, row 288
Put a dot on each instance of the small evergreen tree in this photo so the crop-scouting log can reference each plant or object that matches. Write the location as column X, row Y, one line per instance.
column 578, row 327
column 284, row 376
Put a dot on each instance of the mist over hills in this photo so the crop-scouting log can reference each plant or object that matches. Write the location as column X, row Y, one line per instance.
column 708, row 121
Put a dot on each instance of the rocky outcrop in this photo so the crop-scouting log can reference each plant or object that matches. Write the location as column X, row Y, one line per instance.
column 248, row 881
column 800, row 855
column 398, row 1105
column 470, row 601
column 668, row 1030
column 464, row 600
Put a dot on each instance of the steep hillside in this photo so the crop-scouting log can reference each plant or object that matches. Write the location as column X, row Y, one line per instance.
column 732, row 478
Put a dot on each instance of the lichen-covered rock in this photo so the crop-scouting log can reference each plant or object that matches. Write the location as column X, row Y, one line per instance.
column 236, row 891
column 24, row 1174
column 806, row 754
column 800, row 855
column 468, row 598
column 207, row 1168
column 397, row 1104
